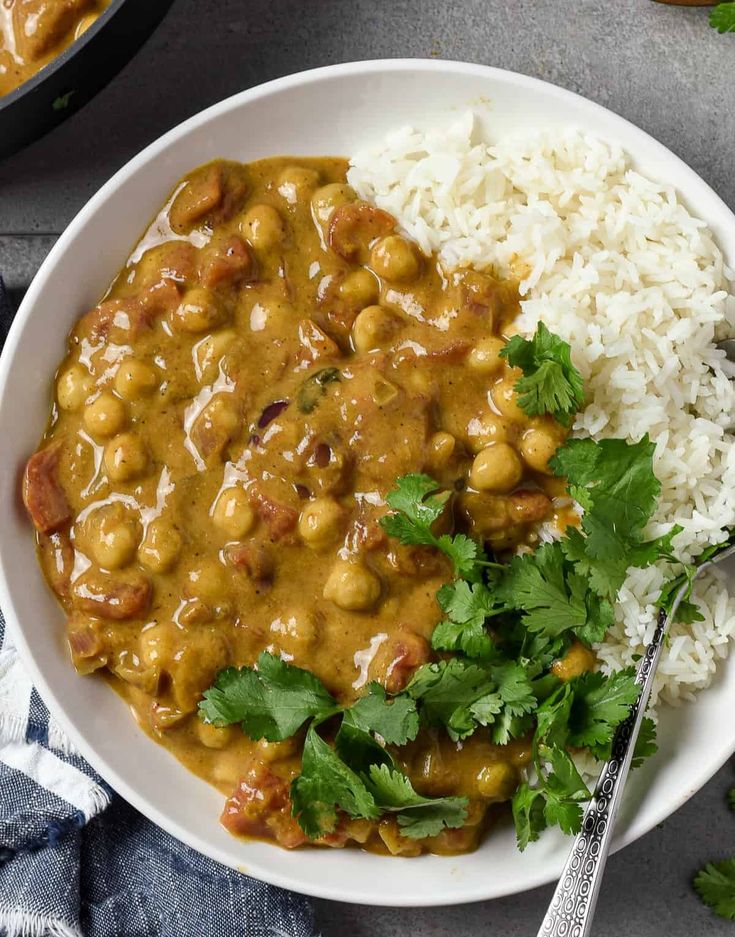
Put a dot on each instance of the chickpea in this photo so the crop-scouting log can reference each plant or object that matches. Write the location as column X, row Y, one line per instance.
column 135, row 379
column 158, row 643
column 329, row 197
column 359, row 288
column 296, row 183
column 321, row 522
column 105, row 416
column 125, row 457
column 539, row 443
column 497, row 468
column 296, row 631
column 487, row 429
column 271, row 314
column 161, row 546
column 394, row 258
column 209, row 352
column 497, row 781
column 198, row 311
column 485, row 356
column 373, row 328
column 577, row 660
column 506, row 401
column 206, row 581
column 73, row 387
column 111, row 536
column 441, row 449
column 352, row 586
column 233, row 513
column 263, row 226
column 214, row 736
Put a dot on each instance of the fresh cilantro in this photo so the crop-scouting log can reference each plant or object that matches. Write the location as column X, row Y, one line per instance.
column 584, row 712
column 731, row 798
column 396, row 722
column 554, row 597
column 600, row 704
column 417, row 507
column 550, row 382
column 315, row 387
column 326, row 783
column 722, row 18
column 272, row 702
column 615, row 484
column 467, row 606
column 645, row 744
column 715, row 885
column 455, row 694
column 417, row 816
column 357, row 775
column 529, row 817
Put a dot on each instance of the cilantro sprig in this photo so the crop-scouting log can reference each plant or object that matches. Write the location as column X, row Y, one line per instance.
column 550, row 382
column 418, row 503
column 722, row 17
column 357, row 774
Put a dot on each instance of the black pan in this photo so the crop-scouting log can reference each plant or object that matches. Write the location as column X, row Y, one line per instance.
column 74, row 77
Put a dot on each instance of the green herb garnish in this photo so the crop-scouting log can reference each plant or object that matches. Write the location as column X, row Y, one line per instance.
column 357, row 774
column 550, row 382
column 314, row 388
column 722, row 18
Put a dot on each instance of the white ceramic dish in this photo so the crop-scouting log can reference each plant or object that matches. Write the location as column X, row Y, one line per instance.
column 328, row 111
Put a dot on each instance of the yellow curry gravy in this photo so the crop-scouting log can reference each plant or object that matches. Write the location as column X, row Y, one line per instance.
column 226, row 426
column 34, row 32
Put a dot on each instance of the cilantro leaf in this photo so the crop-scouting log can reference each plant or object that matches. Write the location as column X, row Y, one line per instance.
column 418, row 507
column 554, row 598
column 688, row 611
column 722, row 18
column 396, row 721
column 550, row 382
column 456, row 694
column 565, row 814
column 417, row 816
column 599, row 705
column 272, row 702
column 614, row 482
column 325, row 784
column 514, row 688
column 731, row 798
column 529, row 814
column 715, row 885
column 468, row 606
column 645, row 744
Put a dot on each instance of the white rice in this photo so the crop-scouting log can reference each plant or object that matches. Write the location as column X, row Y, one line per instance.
column 614, row 263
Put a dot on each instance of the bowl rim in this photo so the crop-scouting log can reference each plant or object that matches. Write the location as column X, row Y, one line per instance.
column 277, row 877
column 59, row 61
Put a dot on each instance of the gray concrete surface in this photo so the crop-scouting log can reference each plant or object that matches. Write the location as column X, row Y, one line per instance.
column 659, row 66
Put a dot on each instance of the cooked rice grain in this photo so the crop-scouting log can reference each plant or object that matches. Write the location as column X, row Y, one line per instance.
column 617, row 265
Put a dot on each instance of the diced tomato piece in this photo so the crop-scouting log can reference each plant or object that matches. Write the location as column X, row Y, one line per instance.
column 260, row 807
column 279, row 518
column 353, row 228
column 254, row 558
column 43, row 496
column 409, row 652
column 226, row 261
column 201, row 194
column 113, row 596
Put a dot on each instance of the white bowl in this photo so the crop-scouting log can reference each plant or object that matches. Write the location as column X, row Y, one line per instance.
column 330, row 111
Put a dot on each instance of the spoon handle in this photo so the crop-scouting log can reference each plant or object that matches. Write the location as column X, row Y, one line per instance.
column 573, row 905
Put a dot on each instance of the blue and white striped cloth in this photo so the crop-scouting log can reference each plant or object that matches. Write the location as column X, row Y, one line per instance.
column 77, row 861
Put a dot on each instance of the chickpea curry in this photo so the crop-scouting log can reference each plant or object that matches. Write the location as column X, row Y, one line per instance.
column 34, row 32
column 213, row 486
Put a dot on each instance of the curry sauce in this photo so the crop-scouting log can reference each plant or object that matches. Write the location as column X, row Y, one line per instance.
column 226, row 425
column 34, row 32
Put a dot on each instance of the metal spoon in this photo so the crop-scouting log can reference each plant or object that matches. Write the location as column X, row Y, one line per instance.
column 573, row 905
